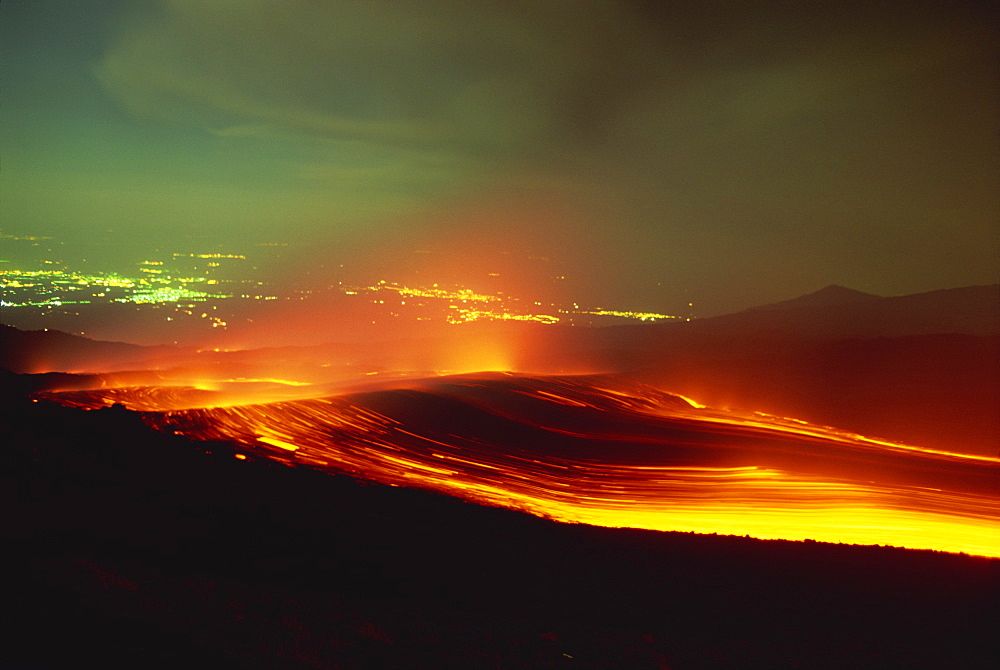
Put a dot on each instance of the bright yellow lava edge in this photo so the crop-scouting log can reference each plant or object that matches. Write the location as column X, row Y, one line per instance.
column 855, row 524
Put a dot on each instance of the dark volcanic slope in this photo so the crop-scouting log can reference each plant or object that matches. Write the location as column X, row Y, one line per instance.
column 135, row 549
column 602, row 450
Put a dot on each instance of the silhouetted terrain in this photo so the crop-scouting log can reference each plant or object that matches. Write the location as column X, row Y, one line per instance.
column 838, row 312
column 833, row 295
column 52, row 350
column 135, row 549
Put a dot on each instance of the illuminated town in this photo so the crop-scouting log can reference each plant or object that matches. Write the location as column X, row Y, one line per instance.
column 214, row 287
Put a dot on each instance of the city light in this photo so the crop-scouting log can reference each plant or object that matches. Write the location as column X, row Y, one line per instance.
column 176, row 280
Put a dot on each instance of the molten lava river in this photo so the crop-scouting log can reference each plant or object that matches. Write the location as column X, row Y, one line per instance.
column 605, row 451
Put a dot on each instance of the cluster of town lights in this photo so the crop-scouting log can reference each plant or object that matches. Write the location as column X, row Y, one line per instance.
column 185, row 278
column 465, row 305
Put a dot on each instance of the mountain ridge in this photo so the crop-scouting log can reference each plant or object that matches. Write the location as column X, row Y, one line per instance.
column 829, row 295
column 845, row 313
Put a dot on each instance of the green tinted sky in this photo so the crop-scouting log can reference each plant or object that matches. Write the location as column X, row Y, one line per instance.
column 741, row 151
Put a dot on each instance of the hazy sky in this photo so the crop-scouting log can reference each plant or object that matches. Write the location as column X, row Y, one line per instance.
column 742, row 152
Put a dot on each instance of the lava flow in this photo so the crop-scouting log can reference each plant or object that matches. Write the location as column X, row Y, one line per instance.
column 604, row 451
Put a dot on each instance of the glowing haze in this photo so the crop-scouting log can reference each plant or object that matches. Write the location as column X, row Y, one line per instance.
column 720, row 153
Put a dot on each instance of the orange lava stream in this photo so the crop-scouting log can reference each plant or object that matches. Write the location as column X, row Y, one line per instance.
column 600, row 451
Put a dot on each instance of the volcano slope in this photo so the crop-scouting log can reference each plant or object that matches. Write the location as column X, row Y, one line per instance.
column 195, row 544
column 606, row 451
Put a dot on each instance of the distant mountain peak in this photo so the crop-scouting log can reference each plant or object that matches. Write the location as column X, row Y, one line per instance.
column 838, row 292
column 831, row 295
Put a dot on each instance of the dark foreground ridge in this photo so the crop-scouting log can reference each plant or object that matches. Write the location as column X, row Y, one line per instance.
column 134, row 549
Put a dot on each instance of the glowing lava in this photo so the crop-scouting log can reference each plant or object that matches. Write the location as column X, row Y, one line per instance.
column 603, row 451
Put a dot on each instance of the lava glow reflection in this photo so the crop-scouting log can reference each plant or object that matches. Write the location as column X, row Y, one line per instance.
column 603, row 451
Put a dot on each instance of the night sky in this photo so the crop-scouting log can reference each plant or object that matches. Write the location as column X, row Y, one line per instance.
column 733, row 153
